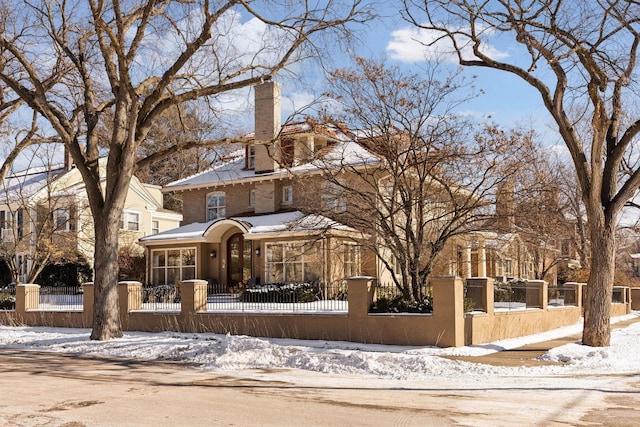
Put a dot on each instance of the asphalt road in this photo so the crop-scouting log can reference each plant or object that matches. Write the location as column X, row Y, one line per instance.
column 48, row 389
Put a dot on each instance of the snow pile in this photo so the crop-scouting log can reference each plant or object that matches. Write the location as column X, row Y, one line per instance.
column 231, row 353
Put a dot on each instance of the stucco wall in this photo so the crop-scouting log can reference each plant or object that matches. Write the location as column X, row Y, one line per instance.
column 446, row 326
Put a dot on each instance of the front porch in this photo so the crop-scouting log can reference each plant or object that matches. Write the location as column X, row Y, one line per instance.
column 233, row 254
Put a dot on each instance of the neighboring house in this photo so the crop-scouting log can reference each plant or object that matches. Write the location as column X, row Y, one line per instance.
column 245, row 218
column 50, row 203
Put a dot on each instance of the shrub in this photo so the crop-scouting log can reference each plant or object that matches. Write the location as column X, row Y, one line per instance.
column 7, row 301
column 280, row 292
column 397, row 304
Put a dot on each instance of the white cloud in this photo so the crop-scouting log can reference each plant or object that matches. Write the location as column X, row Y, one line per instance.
column 414, row 44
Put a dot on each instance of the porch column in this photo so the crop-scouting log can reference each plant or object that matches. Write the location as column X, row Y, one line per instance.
column 467, row 262
column 482, row 261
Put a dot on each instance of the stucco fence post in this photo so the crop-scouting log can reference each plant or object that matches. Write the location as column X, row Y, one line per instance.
column 448, row 309
column 361, row 295
column 129, row 299
column 27, row 299
column 193, row 297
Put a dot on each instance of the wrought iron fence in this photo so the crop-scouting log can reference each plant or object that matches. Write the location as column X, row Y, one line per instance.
column 61, row 298
column 159, row 298
column 388, row 298
column 280, row 297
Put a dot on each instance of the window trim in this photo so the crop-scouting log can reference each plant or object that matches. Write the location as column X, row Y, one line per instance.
column 305, row 263
column 124, row 220
column 287, row 194
column 252, row 198
column 251, row 156
column 221, row 210
column 180, row 267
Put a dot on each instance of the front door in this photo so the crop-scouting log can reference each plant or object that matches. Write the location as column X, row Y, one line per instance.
column 238, row 260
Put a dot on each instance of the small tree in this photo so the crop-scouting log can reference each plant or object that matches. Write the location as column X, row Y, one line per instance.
column 432, row 182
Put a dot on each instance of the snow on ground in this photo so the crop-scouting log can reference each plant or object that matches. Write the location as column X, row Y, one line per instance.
column 242, row 353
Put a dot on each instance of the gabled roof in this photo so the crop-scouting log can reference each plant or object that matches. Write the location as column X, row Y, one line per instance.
column 282, row 222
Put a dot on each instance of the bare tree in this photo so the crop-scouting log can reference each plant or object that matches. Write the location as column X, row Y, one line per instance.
column 126, row 63
column 433, row 180
column 581, row 58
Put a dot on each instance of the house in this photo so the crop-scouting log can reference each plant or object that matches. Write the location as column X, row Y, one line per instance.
column 257, row 217
column 45, row 218
column 243, row 218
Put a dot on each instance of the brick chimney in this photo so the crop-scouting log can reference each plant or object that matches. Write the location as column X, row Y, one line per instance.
column 267, row 126
column 505, row 206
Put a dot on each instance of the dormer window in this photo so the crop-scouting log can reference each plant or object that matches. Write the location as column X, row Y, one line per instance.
column 216, row 205
column 250, row 156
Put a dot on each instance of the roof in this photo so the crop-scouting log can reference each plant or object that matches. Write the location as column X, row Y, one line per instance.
column 294, row 221
column 24, row 184
column 344, row 151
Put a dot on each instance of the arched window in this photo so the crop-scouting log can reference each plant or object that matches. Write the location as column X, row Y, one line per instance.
column 216, row 205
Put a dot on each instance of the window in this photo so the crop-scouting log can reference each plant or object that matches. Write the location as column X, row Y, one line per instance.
column 252, row 198
column 292, row 262
column 216, row 206
column 22, row 267
column 155, row 226
column 287, row 194
column 63, row 219
column 351, row 259
column 6, row 234
column 251, row 156
column 130, row 221
column 20, row 223
column 171, row 266
column 508, row 268
column 333, row 197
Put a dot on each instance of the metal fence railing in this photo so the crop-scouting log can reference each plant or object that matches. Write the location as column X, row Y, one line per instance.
column 159, row 298
column 280, row 297
column 389, row 298
column 562, row 296
column 61, row 298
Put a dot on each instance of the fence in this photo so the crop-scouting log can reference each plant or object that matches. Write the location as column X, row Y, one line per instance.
column 280, row 297
column 187, row 309
column 61, row 298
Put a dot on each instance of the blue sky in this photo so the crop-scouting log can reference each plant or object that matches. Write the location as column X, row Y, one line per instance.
column 506, row 100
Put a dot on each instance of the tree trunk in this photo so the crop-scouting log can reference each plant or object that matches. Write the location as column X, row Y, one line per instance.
column 597, row 296
column 106, row 312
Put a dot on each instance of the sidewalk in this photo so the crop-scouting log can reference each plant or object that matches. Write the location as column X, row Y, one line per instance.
column 527, row 355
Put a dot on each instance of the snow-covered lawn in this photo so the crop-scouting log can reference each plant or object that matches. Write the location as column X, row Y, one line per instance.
column 228, row 353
